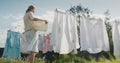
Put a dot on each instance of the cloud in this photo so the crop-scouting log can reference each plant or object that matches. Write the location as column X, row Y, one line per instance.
column 12, row 16
column 17, row 23
column 18, row 26
column 49, row 16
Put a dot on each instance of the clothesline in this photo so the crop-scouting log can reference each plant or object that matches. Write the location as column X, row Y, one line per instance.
column 89, row 15
column 65, row 12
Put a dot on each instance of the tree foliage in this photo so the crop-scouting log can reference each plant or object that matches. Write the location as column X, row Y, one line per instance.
column 79, row 9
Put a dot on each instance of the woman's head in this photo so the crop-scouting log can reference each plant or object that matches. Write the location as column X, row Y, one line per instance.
column 31, row 8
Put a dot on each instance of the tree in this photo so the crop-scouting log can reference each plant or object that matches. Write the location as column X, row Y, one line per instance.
column 79, row 9
column 109, row 30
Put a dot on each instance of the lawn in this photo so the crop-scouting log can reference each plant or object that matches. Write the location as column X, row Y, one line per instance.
column 69, row 58
column 66, row 60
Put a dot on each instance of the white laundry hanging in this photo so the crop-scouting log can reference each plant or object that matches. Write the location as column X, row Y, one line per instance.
column 93, row 35
column 31, row 41
column 64, row 36
column 116, row 37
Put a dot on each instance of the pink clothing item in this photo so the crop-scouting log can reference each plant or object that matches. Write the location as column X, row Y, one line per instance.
column 46, row 44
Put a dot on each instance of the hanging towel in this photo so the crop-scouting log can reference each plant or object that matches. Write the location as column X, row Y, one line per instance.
column 46, row 44
column 93, row 35
column 12, row 47
column 64, row 37
column 116, row 37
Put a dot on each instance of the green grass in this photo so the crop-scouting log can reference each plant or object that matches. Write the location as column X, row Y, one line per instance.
column 19, row 61
column 66, row 60
column 69, row 58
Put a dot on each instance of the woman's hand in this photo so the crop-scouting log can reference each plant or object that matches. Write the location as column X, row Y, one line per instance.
column 46, row 22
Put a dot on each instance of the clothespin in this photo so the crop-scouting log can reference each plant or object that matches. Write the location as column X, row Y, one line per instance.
column 88, row 15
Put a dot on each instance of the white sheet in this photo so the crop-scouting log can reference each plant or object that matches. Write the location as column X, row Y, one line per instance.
column 93, row 35
column 116, row 37
column 64, row 37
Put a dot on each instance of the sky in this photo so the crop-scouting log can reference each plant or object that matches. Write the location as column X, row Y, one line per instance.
column 12, row 11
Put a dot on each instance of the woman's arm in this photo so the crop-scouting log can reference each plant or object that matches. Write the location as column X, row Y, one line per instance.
column 36, row 19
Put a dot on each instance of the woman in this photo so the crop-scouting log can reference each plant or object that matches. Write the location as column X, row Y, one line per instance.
column 30, row 34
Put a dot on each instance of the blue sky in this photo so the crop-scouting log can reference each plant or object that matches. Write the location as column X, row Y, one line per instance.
column 18, row 7
column 12, row 11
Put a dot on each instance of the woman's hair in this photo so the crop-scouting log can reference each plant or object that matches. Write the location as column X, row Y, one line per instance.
column 30, row 8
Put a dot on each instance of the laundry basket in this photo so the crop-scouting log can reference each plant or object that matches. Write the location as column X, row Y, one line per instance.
column 39, row 25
